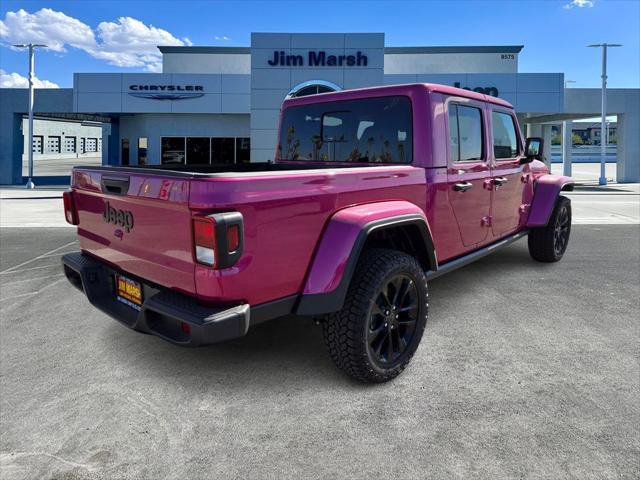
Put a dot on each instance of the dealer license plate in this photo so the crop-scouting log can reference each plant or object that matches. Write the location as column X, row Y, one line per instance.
column 128, row 291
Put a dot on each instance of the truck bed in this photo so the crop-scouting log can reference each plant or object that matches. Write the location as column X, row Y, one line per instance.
column 285, row 208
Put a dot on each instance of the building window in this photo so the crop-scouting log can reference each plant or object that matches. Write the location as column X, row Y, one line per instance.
column 172, row 150
column 124, row 151
column 205, row 150
column 222, row 150
column 198, row 150
column 312, row 87
column 243, row 150
column 505, row 140
column 69, row 144
column 53, row 144
column 83, row 145
column 142, row 151
column 37, row 144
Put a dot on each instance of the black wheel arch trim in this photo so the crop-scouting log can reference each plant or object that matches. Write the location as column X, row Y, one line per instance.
column 323, row 303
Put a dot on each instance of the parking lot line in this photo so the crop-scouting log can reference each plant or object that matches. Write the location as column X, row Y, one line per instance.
column 27, row 294
column 30, row 279
column 10, row 269
column 57, row 265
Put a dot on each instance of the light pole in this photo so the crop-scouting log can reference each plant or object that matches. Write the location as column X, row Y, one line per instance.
column 603, row 120
column 31, row 47
column 567, row 140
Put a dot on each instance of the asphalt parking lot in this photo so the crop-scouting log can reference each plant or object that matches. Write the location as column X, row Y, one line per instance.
column 526, row 370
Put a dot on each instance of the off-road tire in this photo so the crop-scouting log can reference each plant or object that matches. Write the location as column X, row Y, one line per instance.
column 549, row 243
column 346, row 332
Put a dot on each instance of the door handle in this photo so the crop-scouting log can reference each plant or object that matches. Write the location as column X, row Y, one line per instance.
column 498, row 181
column 462, row 187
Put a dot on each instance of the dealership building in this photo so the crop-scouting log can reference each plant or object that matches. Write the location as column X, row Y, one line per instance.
column 221, row 104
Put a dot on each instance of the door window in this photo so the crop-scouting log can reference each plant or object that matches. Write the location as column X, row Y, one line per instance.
column 69, row 144
column 92, row 145
column 505, row 140
column 53, row 144
column 37, row 144
column 465, row 133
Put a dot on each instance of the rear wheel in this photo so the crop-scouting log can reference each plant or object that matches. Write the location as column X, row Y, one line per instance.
column 375, row 335
column 548, row 243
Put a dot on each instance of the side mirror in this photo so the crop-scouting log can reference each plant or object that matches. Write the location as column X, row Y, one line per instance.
column 533, row 150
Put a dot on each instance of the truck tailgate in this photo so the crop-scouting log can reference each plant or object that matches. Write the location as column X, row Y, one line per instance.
column 138, row 222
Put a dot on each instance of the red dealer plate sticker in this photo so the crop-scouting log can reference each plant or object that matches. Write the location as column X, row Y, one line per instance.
column 128, row 291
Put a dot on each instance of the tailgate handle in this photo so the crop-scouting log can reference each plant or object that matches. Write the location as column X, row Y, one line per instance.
column 115, row 186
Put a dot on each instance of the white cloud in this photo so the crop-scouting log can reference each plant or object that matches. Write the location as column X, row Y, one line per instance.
column 579, row 4
column 15, row 80
column 222, row 38
column 47, row 26
column 127, row 42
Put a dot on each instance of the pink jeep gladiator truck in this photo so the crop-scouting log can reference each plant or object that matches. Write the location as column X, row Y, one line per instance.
column 373, row 192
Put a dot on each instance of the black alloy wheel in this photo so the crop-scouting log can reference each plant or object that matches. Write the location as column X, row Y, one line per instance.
column 549, row 242
column 561, row 231
column 392, row 320
column 379, row 328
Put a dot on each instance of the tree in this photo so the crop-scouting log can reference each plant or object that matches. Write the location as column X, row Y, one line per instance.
column 576, row 139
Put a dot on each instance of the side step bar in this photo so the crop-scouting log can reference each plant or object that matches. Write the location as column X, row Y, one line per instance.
column 472, row 257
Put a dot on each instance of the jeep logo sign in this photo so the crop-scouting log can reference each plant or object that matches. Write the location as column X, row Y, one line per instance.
column 123, row 218
column 493, row 91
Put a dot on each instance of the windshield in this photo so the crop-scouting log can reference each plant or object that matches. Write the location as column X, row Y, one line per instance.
column 370, row 130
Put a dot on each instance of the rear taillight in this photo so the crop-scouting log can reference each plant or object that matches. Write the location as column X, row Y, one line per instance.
column 218, row 239
column 233, row 238
column 204, row 238
column 70, row 212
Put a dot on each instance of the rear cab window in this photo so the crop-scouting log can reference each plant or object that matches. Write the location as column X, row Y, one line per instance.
column 368, row 130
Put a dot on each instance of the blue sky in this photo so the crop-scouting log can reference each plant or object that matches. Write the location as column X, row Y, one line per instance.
column 116, row 36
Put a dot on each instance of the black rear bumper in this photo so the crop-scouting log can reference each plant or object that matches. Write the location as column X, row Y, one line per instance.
column 175, row 317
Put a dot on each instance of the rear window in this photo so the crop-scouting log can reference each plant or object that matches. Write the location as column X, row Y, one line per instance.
column 371, row 130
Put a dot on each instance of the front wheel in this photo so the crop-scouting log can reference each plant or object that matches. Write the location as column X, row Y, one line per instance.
column 379, row 328
column 548, row 243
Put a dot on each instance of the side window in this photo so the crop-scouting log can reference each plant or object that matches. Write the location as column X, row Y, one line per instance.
column 465, row 133
column 505, row 140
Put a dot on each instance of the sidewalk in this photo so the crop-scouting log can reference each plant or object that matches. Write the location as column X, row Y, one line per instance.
column 20, row 208
column 616, row 203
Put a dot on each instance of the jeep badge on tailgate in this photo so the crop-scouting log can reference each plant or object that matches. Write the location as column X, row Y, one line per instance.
column 124, row 218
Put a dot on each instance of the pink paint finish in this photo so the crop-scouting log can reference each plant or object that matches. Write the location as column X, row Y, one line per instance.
column 547, row 190
column 158, row 247
column 300, row 224
column 339, row 238
column 284, row 217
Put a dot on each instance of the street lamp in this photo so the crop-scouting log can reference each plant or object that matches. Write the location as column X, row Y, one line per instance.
column 31, row 47
column 603, row 120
